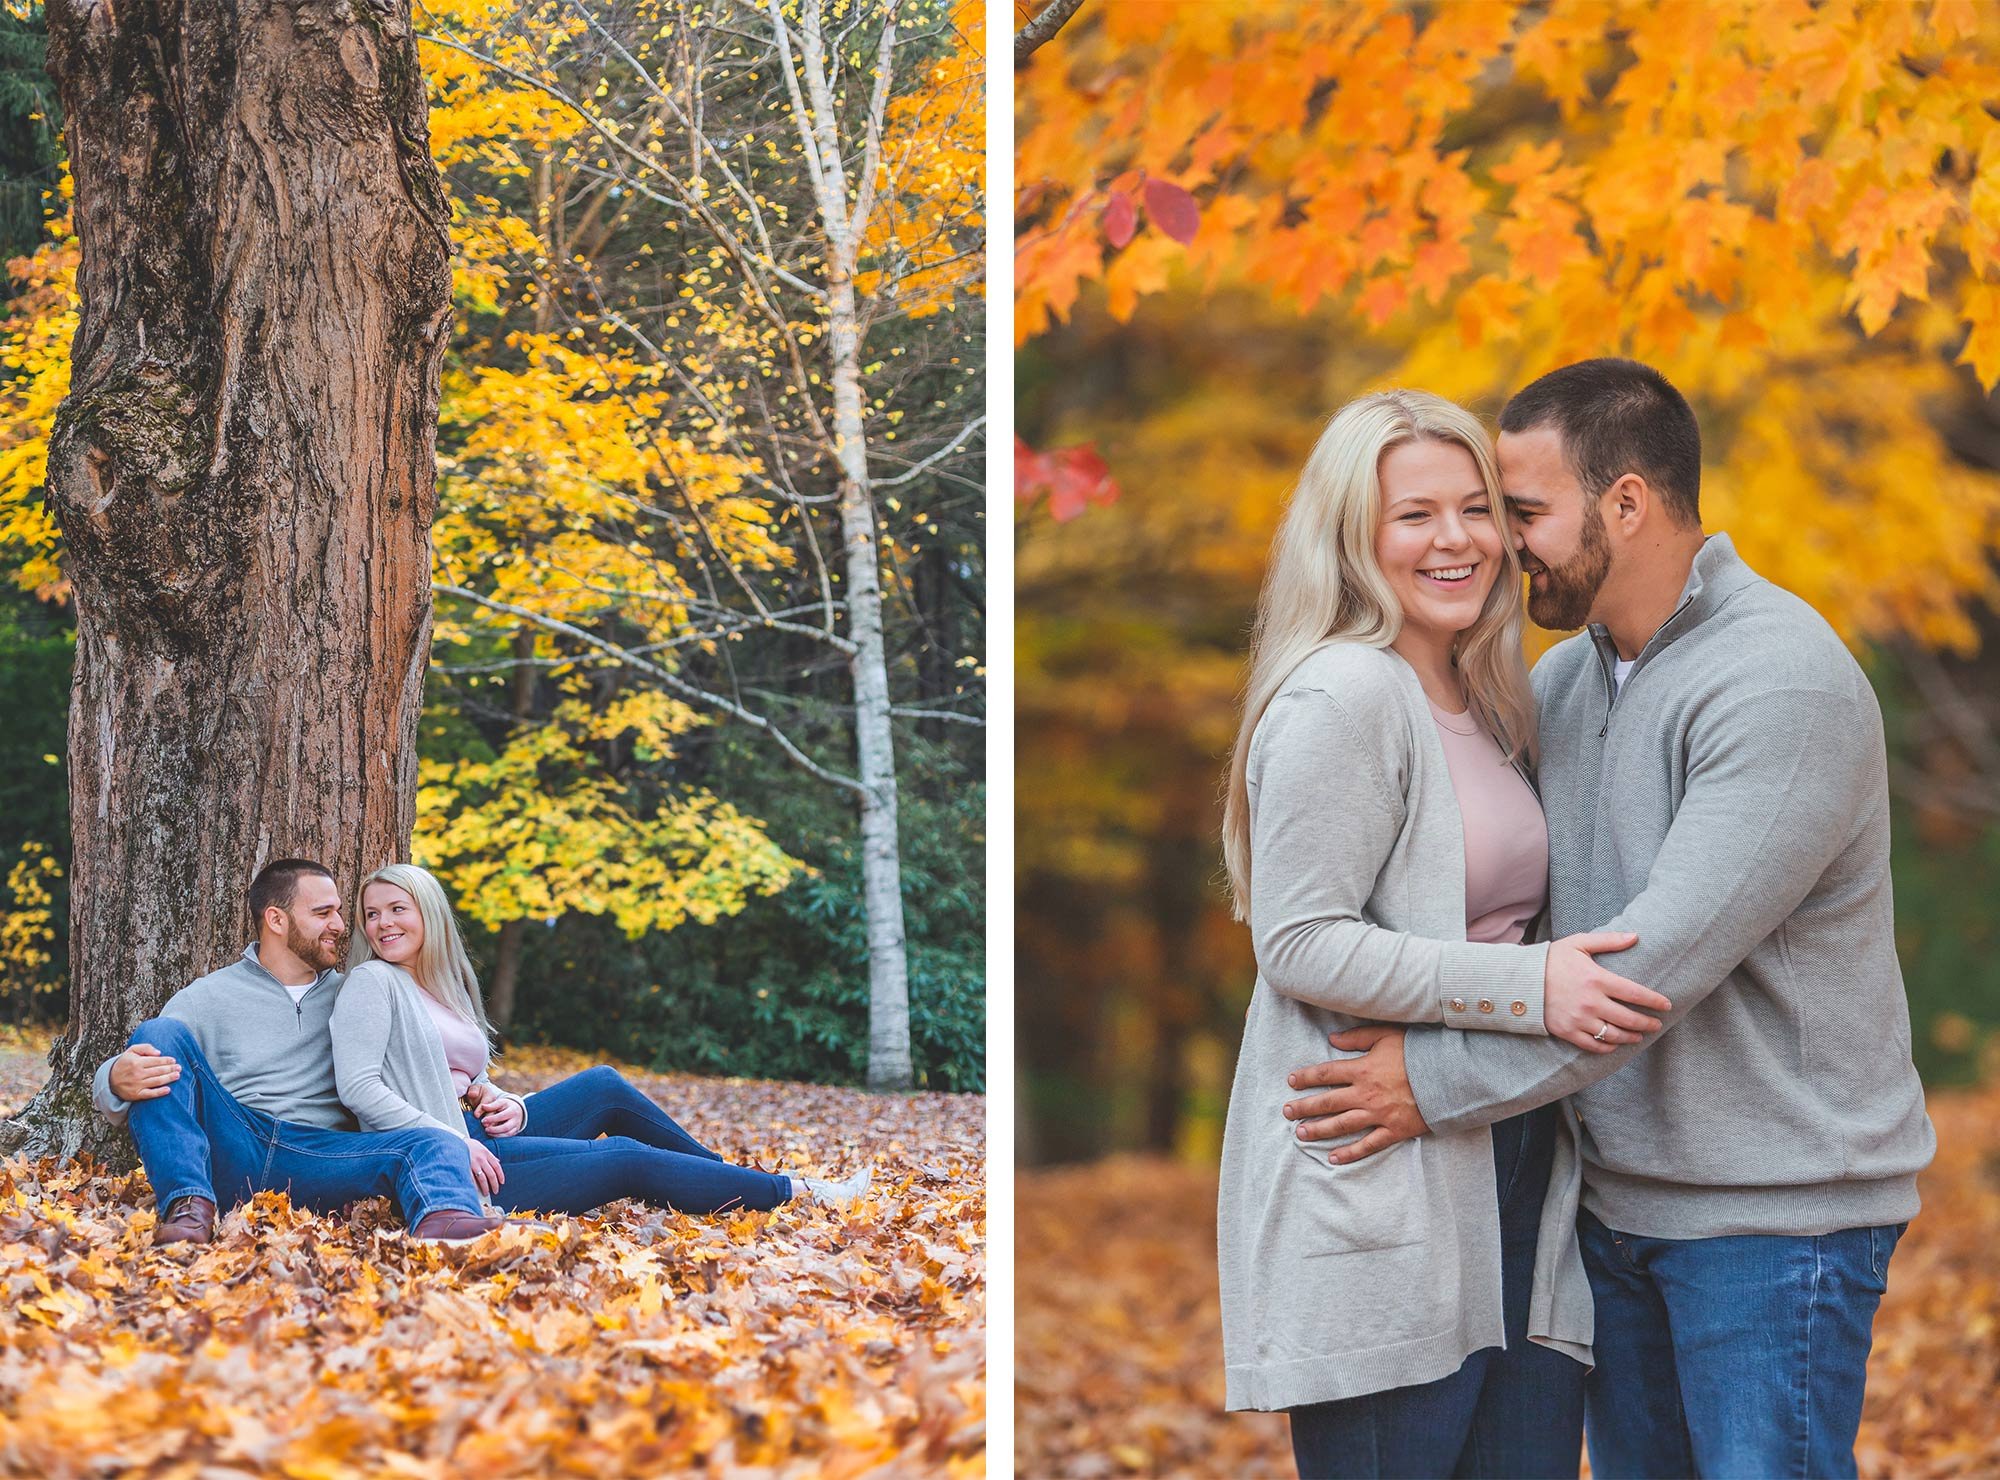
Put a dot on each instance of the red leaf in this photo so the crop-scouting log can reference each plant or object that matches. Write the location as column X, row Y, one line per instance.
column 1031, row 471
column 1073, row 477
column 1173, row 210
column 1081, row 479
column 1121, row 219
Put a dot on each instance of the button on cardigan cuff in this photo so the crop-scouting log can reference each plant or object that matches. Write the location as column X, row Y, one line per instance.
column 1495, row 993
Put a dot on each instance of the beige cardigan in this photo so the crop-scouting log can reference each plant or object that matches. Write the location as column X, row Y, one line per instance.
column 1338, row 1281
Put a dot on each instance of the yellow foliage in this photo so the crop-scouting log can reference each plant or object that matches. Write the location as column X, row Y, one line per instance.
column 541, row 829
column 34, row 356
column 28, row 924
column 933, row 180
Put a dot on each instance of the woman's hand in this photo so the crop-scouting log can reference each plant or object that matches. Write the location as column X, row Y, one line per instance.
column 501, row 1114
column 486, row 1173
column 1585, row 1004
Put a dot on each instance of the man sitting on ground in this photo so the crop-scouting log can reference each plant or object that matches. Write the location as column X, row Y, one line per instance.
column 230, row 1091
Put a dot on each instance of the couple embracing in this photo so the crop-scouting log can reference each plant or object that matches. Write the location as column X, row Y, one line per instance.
column 1533, row 1195
column 255, row 1077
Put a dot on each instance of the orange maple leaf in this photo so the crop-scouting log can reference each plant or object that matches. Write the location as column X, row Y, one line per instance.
column 1383, row 298
column 1981, row 310
column 1436, row 264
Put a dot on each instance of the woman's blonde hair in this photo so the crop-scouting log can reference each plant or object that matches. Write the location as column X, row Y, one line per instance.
column 1325, row 585
column 441, row 967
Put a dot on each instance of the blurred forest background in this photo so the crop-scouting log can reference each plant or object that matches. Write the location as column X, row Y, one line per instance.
column 1231, row 219
column 630, row 461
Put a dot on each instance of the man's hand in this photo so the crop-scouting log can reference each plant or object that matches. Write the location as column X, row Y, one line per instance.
column 1371, row 1093
column 142, row 1072
column 500, row 1114
column 486, row 1173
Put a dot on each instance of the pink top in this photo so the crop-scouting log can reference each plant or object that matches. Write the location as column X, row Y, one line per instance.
column 464, row 1045
column 1506, row 836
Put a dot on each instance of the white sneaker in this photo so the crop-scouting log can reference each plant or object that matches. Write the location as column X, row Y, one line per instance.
column 838, row 1194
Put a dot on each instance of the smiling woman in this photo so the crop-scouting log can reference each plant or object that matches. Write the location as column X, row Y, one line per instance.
column 1389, row 853
column 1341, row 570
column 1441, row 546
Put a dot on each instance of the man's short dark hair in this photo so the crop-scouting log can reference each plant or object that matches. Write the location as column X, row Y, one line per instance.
column 277, row 883
column 1617, row 417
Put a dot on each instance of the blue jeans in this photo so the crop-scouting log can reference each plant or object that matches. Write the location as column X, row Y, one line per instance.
column 1516, row 1411
column 198, row 1140
column 557, row 1164
column 1731, row 1356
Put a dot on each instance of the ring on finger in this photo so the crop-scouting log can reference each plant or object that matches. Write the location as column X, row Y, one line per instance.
column 1598, row 1036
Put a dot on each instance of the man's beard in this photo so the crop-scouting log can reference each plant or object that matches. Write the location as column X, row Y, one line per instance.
column 1561, row 598
column 312, row 948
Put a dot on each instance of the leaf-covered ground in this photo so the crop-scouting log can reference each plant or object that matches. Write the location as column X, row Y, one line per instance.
column 799, row 1342
column 1118, row 1342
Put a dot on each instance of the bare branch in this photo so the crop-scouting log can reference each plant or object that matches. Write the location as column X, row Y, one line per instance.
column 901, row 711
column 1945, row 700
column 1042, row 29
column 1924, row 790
column 871, row 156
column 936, row 457
column 734, row 621
column 666, row 676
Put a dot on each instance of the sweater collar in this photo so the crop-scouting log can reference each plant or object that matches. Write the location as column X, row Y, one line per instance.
column 257, row 965
column 1718, row 574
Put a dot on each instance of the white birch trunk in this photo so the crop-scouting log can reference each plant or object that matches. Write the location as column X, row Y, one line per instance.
column 881, row 858
column 845, row 223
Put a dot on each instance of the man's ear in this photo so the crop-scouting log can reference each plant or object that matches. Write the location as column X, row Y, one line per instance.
column 1631, row 498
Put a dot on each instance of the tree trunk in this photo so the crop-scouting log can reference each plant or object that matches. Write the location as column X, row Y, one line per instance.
column 244, row 474
column 506, row 975
column 875, row 744
column 933, row 589
column 845, row 223
column 507, row 951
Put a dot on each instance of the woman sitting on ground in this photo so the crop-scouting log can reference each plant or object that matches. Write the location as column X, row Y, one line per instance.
column 411, row 1041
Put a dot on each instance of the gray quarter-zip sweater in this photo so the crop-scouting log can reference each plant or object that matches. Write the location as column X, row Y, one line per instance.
column 1730, row 805
column 271, row 1054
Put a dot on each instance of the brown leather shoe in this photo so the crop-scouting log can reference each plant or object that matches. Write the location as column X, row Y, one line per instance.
column 449, row 1226
column 189, row 1220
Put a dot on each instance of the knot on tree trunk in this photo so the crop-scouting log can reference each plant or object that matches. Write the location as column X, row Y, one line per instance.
column 144, row 427
column 125, row 458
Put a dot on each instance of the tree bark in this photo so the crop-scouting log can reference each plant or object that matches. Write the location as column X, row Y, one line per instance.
column 244, row 474
column 501, row 1000
column 507, row 951
column 932, row 592
column 1041, row 30
column 889, row 1064
column 845, row 223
